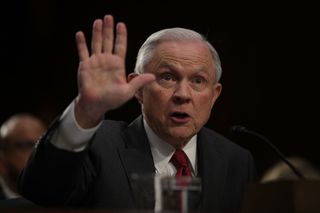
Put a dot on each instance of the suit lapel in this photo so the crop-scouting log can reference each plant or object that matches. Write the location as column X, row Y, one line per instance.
column 137, row 160
column 212, row 167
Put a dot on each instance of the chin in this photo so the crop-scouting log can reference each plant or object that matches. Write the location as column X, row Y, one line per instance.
column 182, row 134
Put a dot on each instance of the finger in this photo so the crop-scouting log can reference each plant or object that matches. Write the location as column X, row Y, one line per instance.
column 120, row 47
column 96, row 42
column 108, row 33
column 82, row 46
column 141, row 80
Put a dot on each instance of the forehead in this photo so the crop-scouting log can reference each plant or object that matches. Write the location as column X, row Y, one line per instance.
column 187, row 54
column 22, row 128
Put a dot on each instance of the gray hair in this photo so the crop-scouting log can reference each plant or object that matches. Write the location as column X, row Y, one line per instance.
column 173, row 34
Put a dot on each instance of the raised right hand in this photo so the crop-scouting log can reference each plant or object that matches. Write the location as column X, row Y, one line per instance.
column 102, row 81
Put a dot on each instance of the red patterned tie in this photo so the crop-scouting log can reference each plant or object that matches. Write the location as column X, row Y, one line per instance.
column 180, row 161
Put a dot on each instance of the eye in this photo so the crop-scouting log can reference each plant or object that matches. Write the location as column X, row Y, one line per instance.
column 198, row 80
column 199, row 83
column 166, row 79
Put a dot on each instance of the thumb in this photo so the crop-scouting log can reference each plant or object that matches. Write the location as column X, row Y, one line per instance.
column 141, row 80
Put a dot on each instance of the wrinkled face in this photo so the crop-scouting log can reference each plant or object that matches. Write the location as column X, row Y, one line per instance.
column 179, row 102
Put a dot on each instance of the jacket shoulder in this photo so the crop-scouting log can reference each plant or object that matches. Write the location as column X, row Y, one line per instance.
column 221, row 142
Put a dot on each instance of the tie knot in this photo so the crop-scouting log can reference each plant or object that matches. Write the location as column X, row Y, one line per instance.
column 180, row 161
column 179, row 158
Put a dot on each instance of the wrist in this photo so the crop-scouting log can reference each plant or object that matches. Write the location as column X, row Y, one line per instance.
column 86, row 115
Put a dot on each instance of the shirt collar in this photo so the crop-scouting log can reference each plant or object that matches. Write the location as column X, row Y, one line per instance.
column 163, row 151
column 8, row 193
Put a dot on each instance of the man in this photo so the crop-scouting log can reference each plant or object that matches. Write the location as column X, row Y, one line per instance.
column 86, row 161
column 18, row 135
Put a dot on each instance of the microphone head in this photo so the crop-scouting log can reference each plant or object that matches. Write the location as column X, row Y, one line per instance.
column 238, row 129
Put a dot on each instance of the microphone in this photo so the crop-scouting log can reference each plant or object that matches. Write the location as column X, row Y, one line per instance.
column 242, row 129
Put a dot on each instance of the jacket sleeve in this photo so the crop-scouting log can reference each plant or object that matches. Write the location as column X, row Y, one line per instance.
column 56, row 177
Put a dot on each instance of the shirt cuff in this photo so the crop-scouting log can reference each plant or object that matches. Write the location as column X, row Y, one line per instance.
column 69, row 135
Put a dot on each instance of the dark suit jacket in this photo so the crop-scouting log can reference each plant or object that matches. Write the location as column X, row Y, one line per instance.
column 100, row 175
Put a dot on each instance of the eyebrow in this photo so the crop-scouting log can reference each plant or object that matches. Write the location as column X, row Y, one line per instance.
column 166, row 65
column 171, row 66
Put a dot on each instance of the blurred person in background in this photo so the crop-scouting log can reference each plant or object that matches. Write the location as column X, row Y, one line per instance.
column 281, row 171
column 18, row 135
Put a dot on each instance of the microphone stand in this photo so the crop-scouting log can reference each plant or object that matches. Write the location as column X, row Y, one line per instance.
column 263, row 138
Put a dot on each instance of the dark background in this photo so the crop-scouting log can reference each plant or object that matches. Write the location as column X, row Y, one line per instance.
column 269, row 53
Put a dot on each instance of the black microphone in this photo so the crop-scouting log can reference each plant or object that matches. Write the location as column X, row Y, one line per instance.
column 242, row 129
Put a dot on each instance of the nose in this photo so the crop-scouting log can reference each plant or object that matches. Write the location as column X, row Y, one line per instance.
column 182, row 93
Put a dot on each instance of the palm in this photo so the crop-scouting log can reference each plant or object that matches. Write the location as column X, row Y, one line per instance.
column 102, row 81
column 101, row 76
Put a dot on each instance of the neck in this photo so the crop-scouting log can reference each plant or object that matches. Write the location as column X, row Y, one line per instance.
column 177, row 143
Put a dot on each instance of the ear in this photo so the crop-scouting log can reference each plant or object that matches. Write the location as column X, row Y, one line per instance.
column 216, row 93
column 139, row 93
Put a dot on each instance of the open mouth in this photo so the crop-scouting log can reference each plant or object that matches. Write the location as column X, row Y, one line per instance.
column 180, row 117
